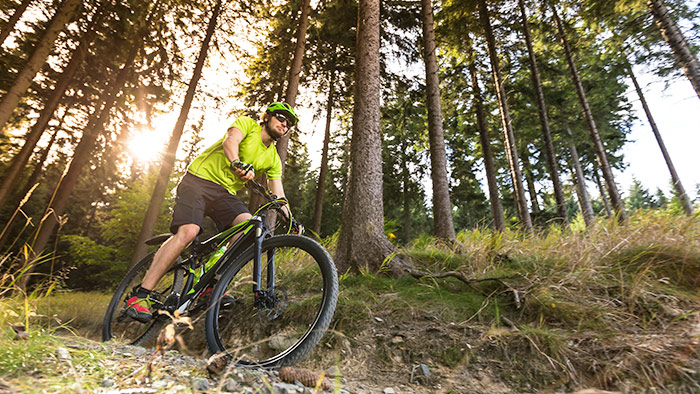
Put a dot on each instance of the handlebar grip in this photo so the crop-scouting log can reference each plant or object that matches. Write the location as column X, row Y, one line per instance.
column 247, row 167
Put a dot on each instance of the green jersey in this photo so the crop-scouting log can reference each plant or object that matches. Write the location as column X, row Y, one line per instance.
column 213, row 165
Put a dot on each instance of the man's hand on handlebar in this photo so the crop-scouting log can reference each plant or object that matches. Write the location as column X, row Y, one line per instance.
column 296, row 227
column 243, row 170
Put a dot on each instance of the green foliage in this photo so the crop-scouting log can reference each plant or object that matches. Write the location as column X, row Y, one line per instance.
column 404, row 152
column 638, row 197
column 299, row 183
column 121, row 225
column 92, row 266
column 267, row 70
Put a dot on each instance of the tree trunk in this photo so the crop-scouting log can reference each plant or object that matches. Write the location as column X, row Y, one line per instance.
column 601, row 189
column 38, row 58
column 83, row 151
column 511, row 150
column 530, row 179
column 405, row 179
column 584, row 200
column 34, row 135
column 32, row 180
column 544, row 120
column 496, row 207
column 362, row 242
column 442, row 207
column 166, row 168
column 7, row 29
column 675, row 39
column 685, row 201
column 323, row 170
column 290, row 96
column 590, row 122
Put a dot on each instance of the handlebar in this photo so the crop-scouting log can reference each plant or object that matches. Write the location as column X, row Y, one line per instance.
column 272, row 201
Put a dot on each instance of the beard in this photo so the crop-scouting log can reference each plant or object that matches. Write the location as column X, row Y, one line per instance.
column 272, row 132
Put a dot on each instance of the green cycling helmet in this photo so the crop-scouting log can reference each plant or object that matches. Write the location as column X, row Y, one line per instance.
column 285, row 109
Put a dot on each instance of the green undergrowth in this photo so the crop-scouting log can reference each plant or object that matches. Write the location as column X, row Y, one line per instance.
column 614, row 306
column 79, row 311
column 585, row 305
column 365, row 297
column 24, row 357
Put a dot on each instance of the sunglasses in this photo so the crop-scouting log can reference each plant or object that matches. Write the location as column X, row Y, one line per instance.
column 283, row 119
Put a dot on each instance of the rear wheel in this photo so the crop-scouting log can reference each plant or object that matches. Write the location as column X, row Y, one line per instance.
column 282, row 325
column 118, row 326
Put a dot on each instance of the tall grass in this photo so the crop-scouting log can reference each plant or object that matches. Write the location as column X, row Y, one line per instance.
column 18, row 305
column 605, row 304
column 613, row 305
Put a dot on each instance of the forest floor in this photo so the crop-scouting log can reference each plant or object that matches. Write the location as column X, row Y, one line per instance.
column 612, row 307
column 393, row 353
column 386, row 358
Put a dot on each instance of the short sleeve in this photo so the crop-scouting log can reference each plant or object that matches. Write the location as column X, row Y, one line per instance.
column 245, row 124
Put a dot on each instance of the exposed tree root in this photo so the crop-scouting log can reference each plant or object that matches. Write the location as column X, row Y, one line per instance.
column 517, row 294
column 461, row 276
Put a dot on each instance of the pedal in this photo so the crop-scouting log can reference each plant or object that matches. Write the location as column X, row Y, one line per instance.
column 171, row 302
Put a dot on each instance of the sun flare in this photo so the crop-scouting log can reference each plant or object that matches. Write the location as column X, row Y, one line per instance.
column 146, row 145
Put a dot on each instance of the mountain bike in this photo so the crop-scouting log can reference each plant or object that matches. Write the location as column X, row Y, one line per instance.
column 280, row 291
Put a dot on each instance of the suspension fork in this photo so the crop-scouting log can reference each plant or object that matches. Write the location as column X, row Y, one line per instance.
column 260, row 235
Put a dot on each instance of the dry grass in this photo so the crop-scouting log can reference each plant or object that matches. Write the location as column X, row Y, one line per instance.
column 615, row 305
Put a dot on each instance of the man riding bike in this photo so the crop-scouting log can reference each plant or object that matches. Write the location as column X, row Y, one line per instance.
column 209, row 188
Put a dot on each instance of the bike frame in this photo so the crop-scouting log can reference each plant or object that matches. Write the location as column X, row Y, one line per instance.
column 253, row 232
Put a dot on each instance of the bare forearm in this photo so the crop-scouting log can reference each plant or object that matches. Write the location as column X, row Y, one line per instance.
column 278, row 190
column 231, row 143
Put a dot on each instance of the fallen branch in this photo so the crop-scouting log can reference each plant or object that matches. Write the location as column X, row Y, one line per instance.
column 517, row 294
column 461, row 276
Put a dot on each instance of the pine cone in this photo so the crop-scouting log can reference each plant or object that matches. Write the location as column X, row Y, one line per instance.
column 306, row 377
column 217, row 363
column 166, row 338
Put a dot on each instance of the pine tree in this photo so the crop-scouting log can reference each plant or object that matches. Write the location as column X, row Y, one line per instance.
column 19, row 161
column 9, row 27
column 675, row 39
column 442, row 207
column 361, row 242
column 290, row 96
column 590, row 122
column 544, row 118
column 506, row 124
column 675, row 179
column 154, row 206
column 41, row 52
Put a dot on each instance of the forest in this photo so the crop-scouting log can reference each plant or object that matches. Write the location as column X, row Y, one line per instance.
column 439, row 117
column 458, row 159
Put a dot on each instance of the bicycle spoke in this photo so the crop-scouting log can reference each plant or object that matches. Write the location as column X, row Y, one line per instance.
column 119, row 326
column 268, row 328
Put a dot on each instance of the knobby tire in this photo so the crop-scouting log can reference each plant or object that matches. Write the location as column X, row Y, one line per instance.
column 297, row 316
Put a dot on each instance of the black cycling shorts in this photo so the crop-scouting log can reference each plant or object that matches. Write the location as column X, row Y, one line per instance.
column 197, row 197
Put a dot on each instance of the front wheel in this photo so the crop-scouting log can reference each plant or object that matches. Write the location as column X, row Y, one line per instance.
column 286, row 321
column 117, row 325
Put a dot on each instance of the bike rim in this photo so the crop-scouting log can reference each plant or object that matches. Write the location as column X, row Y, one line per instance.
column 125, row 329
column 265, row 335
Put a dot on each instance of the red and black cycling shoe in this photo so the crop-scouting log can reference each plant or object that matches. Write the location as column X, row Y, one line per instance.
column 139, row 308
